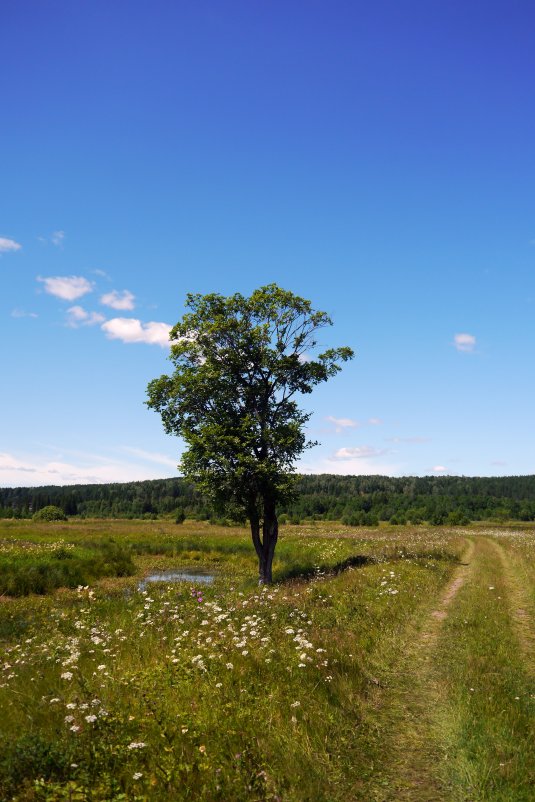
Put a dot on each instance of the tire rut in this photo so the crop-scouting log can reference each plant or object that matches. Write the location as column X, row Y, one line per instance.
column 519, row 605
column 412, row 756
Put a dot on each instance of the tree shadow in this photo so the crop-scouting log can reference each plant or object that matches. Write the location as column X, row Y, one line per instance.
column 311, row 572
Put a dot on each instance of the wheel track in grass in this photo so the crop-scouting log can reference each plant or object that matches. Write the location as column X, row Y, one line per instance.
column 520, row 605
column 423, row 761
column 411, row 756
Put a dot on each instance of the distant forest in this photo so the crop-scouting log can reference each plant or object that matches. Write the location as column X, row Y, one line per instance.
column 355, row 500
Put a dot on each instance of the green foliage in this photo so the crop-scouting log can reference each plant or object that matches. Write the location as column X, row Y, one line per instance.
column 323, row 497
column 50, row 513
column 238, row 363
column 44, row 569
column 30, row 756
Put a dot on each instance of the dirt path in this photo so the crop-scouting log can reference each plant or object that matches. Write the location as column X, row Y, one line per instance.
column 443, row 744
column 518, row 590
column 411, row 702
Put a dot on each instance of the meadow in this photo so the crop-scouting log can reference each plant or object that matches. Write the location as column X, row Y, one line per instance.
column 392, row 663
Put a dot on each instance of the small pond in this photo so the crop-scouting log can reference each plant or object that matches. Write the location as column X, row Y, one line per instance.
column 196, row 577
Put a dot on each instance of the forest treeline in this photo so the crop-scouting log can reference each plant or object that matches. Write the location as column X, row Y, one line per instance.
column 355, row 500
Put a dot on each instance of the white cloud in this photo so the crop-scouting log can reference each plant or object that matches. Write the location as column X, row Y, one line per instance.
column 119, row 300
column 131, row 330
column 375, row 421
column 359, row 452
column 68, row 288
column 34, row 471
column 342, row 423
column 9, row 245
column 57, row 237
column 151, row 456
column 349, row 467
column 78, row 316
column 439, row 469
column 22, row 313
column 464, row 342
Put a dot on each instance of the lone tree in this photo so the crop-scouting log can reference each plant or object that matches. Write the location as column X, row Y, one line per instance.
column 239, row 362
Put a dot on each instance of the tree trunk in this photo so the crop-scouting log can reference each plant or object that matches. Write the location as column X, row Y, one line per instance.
column 265, row 544
column 270, row 534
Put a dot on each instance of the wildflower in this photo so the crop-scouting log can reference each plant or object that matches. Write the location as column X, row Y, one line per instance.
column 137, row 775
column 74, row 728
column 91, row 718
column 66, row 675
column 68, row 719
column 230, row 666
column 101, row 668
column 136, row 745
column 202, row 749
column 71, row 706
column 295, row 704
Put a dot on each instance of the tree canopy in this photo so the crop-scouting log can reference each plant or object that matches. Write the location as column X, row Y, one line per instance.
column 240, row 362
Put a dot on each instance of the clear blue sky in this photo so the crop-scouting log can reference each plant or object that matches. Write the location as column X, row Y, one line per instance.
column 377, row 158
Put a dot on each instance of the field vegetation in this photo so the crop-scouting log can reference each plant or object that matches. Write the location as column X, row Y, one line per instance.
column 391, row 663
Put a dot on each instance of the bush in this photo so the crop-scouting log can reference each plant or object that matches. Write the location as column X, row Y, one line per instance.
column 353, row 519
column 50, row 513
column 457, row 518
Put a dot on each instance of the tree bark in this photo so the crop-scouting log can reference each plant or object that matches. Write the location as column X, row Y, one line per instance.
column 254, row 520
column 270, row 534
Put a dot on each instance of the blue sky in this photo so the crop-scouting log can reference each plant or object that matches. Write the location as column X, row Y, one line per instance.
column 377, row 158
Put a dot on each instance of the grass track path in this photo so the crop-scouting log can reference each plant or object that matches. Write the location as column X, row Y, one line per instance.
column 452, row 731
column 520, row 604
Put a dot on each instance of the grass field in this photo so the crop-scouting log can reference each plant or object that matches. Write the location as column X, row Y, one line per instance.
column 383, row 664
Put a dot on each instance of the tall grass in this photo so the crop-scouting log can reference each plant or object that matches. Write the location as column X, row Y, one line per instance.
column 219, row 693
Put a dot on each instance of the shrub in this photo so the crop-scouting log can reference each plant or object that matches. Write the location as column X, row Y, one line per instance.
column 50, row 513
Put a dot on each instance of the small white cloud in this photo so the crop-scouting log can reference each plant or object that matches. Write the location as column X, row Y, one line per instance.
column 464, row 342
column 78, row 316
column 375, row 421
column 57, row 238
column 151, row 456
column 68, row 288
column 101, row 273
column 23, row 313
column 359, row 452
column 347, row 467
column 498, row 462
column 9, row 245
column 130, row 330
column 342, row 423
column 119, row 300
column 439, row 469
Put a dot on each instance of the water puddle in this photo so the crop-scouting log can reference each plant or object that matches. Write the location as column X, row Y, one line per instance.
column 190, row 575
